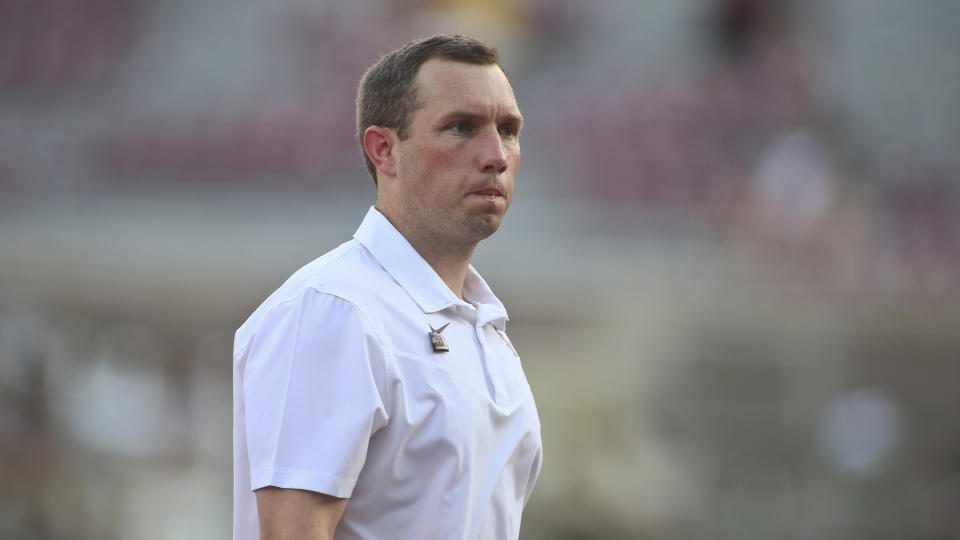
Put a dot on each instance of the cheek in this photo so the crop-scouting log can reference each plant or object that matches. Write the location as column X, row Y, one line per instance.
column 450, row 167
column 438, row 162
column 454, row 156
column 514, row 166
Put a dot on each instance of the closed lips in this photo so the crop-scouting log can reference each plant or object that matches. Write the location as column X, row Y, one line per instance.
column 490, row 193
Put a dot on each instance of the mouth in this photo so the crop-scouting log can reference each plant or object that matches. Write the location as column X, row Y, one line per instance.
column 489, row 193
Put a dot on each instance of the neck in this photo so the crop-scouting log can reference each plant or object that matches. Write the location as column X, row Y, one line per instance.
column 448, row 259
column 451, row 267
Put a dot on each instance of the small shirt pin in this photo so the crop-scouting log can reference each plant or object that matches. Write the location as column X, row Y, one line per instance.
column 436, row 340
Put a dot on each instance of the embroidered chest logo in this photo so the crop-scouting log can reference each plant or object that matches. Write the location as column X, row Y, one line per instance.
column 436, row 340
column 507, row 341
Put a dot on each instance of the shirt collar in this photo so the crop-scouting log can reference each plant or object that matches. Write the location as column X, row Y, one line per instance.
column 417, row 277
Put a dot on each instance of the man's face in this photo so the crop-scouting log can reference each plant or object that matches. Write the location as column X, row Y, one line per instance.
column 455, row 170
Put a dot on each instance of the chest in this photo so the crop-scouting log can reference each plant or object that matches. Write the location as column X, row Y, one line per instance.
column 468, row 401
column 467, row 369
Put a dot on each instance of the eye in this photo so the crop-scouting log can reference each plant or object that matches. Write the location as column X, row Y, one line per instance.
column 459, row 127
column 509, row 131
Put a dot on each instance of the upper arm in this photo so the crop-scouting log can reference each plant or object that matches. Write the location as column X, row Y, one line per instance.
column 312, row 395
column 295, row 513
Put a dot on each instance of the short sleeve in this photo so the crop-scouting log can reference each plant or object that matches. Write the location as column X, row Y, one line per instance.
column 313, row 386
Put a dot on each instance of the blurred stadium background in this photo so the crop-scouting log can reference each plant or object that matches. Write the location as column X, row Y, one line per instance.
column 732, row 265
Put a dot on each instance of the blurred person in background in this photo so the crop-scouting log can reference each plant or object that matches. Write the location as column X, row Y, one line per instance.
column 376, row 394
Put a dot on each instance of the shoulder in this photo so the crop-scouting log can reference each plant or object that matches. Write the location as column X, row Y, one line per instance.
column 345, row 278
column 337, row 272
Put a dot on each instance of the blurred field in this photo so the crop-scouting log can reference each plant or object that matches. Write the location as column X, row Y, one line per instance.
column 732, row 265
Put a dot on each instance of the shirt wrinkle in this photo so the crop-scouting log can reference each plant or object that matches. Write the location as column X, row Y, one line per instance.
column 373, row 330
column 286, row 393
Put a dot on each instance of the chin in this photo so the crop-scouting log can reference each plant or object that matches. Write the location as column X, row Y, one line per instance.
column 483, row 226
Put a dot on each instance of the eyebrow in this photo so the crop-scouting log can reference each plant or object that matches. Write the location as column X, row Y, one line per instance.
column 511, row 118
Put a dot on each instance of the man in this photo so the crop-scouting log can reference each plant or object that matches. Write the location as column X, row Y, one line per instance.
column 376, row 394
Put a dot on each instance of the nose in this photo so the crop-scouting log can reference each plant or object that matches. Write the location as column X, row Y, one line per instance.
column 493, row 156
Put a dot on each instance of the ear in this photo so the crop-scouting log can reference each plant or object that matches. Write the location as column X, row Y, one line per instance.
column 380, row 144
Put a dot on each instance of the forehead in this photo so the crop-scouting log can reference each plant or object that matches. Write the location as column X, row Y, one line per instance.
column 446, row 84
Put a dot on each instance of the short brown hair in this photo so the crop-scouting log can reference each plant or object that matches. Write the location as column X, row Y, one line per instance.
column 387, row 95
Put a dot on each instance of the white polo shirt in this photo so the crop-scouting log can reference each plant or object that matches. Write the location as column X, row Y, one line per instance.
column 337, row 389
